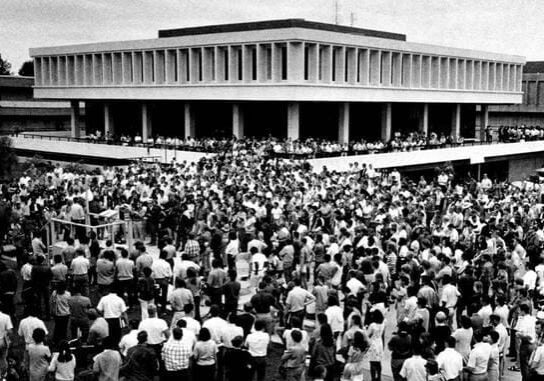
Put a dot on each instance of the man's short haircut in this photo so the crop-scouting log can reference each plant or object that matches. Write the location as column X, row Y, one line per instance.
column 177, row 333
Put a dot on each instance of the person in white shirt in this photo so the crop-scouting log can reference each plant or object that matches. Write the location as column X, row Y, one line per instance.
column 162, row 273
column 114, row 309
column 230, row 331
column 536, row 363
column 335, row 316
column 526, row 337
column 28, row 325
column 184, row 265
column 297, row 300
column 156, row 328
column 504, row 339
column 450, row 296
column 79, row 268
column 478, row 359
column 354, row 284
column 189, row 337
column 450, row 361
column 192, row 323
column 296, row 325
column 257, row 344
column 130, row 339
column 486, row 310
column 258, row 265
column 215, row 324
column 6, row 327
column 413, row 368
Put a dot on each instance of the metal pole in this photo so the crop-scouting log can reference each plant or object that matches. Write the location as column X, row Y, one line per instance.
column 129, row 232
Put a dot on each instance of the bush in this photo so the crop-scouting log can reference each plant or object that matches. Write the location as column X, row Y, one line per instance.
column 8, row 158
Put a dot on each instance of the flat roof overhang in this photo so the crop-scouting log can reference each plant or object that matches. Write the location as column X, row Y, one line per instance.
column 275, row 92
column 277, row 24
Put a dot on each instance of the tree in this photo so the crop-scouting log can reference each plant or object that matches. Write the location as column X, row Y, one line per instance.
column 8, row 158
column 5, row 66
column 27, row 69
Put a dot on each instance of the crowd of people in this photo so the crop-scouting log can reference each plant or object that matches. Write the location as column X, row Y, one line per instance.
column 453, row 264
column 302, row 148
column 521, row 133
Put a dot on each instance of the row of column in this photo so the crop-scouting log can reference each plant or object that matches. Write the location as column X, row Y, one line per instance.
column 293, row 121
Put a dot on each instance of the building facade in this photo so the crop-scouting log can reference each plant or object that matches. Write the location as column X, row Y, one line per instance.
column 531, row 110
column 19, row 111
column 288, row 78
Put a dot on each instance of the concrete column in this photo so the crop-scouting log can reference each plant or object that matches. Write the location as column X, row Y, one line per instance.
column 74, row 118
column 295, row 61
column 343, row 123
column 293, row 120
column 484, row 121
column 424, row 120
column 189, row 121
column 387, row 121
column 237, row 121
column 108, row 121
column 147, row 126
column 456, row 121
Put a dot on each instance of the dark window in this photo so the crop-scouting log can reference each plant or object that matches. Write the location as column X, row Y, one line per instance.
column 240, row 64
column 253, row 64
column 333, row 68
column 346, row 66
column 187, row 65
column 284, row 63
column 226, row 64
column 306, row 62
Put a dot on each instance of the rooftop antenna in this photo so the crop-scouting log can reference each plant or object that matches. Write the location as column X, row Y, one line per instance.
column 352, row 19
column 336, row 12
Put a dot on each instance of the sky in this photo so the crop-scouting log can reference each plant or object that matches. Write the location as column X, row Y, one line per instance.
column 502, row 26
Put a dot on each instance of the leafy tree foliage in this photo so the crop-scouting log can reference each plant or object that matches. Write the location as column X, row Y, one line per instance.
column 5, row 66
column 27, row 69
column 8, row 158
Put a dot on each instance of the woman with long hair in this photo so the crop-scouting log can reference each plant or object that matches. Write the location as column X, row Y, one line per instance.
column 375, row 333
column 353, row 369
column 205, row 356
column 324, row 351
column 63, row 363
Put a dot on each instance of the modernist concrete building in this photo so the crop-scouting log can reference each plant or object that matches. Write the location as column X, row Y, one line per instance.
column 19, row 111
column 531, row 111
column 289, row 78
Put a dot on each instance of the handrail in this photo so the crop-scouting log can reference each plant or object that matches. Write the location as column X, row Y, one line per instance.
column 87, row 226
column 271, row 153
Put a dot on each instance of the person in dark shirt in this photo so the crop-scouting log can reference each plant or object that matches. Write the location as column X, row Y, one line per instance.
column 231, row 290
column 400, row 346
column 245, row 319
column 146, row 291
column 40, row 277
column 237, row 361
column 94, row 248
column 141, row 362
column 8, row 287
column 440, row 332
column 261, row 302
